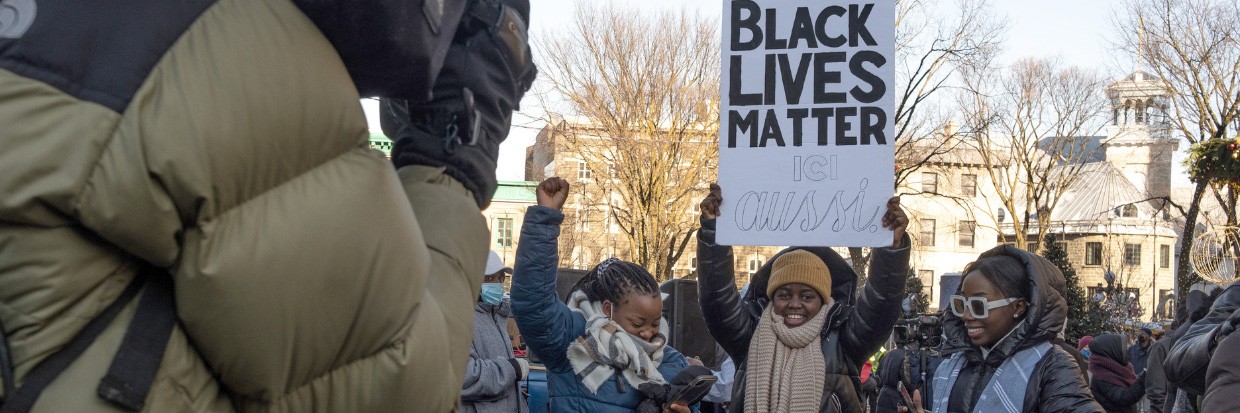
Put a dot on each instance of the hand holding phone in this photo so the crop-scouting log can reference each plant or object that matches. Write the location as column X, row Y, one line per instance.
column 692, row 392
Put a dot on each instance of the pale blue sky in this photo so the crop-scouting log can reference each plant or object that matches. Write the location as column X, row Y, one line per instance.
column 1077, row 31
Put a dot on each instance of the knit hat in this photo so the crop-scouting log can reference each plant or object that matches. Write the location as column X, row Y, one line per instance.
column 800, row 266
column 1084, row 342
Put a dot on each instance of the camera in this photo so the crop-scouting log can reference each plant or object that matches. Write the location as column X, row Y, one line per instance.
column 924, row 331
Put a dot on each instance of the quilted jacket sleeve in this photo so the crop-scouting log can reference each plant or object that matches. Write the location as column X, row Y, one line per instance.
column 726, row 319
column 878, row 307
column 1190, row 356
column 546, row 323
column 1061, row 387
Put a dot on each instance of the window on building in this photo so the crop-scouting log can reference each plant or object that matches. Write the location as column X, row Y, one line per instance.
column 1132, row 254
column 503, row 232
column 1128, row 211
column 692, row 263
column 1031, row 246
column 927, row 282
column 1164, row 256
column 754, row 265
column 583, row 219
column 1093, row 253
column 583, row 171
column 926, row 238
column 930, row 182
column 968, row 185
column 967, row 231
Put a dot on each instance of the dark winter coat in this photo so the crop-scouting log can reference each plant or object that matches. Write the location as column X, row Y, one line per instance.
column 1189, row 358
column 1223, row 377
column 1115, row 398
column 1057, row 384
column 854, row 330
column 1139, row 357
column 1156, row 376
column 491, row 375
column 549, row 327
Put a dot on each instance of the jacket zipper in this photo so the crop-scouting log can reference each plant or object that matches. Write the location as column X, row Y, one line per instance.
column 516, row 386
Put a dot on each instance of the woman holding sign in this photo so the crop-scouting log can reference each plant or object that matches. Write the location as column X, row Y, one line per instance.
column 799, row 335
column 998, row 353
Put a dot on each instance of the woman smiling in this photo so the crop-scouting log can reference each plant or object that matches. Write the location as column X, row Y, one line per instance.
column 799, row 335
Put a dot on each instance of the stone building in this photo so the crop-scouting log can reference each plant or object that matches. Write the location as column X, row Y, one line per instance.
column 505, row 215
column 951, row 211
column 1112, row 219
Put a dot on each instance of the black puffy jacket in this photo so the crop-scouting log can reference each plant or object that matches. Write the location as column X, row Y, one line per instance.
column 1190, row 355
column 1057, row 383
column 854, row 330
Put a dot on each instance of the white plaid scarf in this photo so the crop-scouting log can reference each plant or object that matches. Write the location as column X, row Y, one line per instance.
column 606, row 347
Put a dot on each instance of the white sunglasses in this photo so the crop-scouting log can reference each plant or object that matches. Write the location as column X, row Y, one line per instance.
column 978, row 307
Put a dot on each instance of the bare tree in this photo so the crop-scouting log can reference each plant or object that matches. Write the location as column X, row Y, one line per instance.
column 931, row 49
column 1193, row 46
column 1036, row 118
column 935, row 39
column 645, row 89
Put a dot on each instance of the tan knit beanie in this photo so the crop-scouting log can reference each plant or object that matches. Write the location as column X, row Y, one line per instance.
column 800, row 266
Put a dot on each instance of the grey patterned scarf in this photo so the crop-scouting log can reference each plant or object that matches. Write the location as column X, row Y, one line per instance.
column 606, row 347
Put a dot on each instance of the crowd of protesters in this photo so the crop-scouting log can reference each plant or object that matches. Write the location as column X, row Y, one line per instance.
column 154, row 254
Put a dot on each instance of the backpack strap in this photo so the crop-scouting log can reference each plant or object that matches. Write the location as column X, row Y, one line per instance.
column 129, row 377
column 133, row 369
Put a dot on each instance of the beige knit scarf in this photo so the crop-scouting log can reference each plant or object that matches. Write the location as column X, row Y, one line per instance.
column 786, row 366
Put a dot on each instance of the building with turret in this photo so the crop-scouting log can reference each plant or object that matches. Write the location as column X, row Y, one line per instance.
column 1113, row 219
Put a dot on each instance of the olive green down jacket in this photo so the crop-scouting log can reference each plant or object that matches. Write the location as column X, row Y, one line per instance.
column 309, row 275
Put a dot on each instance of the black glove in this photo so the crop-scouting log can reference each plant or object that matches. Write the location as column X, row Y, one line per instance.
column 487, row 70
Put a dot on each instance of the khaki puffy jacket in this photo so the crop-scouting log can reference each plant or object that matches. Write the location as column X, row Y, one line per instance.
column 234, row 158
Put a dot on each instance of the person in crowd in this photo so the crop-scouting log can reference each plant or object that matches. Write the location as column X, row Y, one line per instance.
column 800, row 335
column 1197, row 306
column 493, row 374
column 902, row 367
column 1114, row 383
column 606, row 349
column 1082, row 346
column 721, row 391
column 211, row 157
column 869, row 386
column 1223, row 375
column 999, row 355
column 1189, row 358
column 1139, row 352
column 1156, row 376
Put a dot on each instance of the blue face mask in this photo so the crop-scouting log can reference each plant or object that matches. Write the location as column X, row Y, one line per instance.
column 492, row 293
column 1085, row 352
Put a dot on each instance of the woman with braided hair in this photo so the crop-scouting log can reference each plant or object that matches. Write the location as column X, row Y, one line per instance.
column 605, row 349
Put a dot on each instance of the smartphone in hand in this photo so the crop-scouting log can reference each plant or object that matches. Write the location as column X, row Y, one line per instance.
column 693, row 392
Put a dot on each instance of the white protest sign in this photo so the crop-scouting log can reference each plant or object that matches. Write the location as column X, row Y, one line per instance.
column 806, row 135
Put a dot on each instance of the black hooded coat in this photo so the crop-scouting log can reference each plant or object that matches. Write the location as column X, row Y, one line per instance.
column 1057, row 384
column 854, row 330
